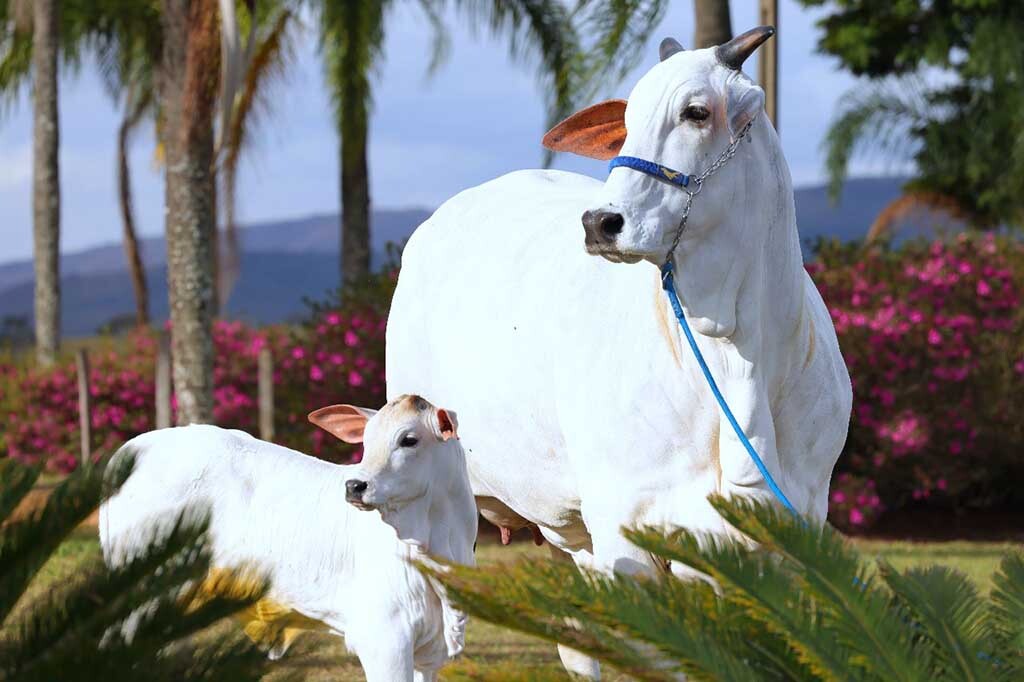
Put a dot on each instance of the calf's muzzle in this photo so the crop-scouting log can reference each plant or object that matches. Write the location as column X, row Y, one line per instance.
column 354, row 490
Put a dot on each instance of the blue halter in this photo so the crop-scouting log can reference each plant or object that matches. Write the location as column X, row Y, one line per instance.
column 683, row 181
column 656, row 169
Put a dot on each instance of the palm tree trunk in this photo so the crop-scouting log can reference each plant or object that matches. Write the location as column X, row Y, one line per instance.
column 134, row 112
column 714, row 26
column 46, row 180
column 188, row 90
column 355, row 191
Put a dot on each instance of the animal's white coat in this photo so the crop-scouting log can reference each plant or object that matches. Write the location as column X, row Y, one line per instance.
column 285, row 513
column 582, row 407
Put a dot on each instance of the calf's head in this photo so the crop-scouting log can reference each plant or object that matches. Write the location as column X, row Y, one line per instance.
column 409, row 451
column 682, row 115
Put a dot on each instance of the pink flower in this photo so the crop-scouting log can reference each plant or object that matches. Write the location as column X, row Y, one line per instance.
column 934, row 337
column 984, row 289
column 351, row 339
column 355, row 379
column 298, row 352
column 839, row 497
column 333, row 319
column 315, row 373
column 856, row 517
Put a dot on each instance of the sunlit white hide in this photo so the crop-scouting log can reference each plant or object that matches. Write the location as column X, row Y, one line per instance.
column 334, row 565
column 584, row 409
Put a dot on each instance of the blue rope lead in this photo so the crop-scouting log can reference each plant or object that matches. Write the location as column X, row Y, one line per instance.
column 668, row 282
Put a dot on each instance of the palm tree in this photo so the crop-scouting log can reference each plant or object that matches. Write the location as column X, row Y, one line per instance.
column 187, row 92
column 351, row 39
column 46, row 179
column 714, row 25
column 135, row 109
column 801, row 604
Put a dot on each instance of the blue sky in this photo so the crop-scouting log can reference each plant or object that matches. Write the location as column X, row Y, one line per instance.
column 480, row 116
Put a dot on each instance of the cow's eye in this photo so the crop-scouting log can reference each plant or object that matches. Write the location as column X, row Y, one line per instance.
column 696, row 112
column 408, row 441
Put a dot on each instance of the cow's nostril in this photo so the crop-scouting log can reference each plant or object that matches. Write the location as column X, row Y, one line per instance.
column 611, row 224
column 355, row 487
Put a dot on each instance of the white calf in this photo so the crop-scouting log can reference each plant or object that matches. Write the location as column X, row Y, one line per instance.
column 331, row 567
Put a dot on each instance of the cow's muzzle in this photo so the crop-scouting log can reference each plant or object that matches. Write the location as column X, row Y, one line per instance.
column 602, row 228
column 354, row 490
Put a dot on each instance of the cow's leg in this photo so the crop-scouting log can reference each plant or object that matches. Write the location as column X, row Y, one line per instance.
column 573, row 661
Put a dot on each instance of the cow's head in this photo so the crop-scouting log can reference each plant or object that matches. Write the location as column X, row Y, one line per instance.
column 408, row 450
column 682, row 114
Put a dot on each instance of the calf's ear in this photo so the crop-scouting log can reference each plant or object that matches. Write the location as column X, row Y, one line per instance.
column 346, row 422
column 596, row 132
column 447, row 424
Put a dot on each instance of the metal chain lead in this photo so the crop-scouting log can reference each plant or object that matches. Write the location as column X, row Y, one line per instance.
column 723, row 158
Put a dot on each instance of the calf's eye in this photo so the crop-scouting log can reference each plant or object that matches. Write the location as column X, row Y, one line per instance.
column 408, row 441
column 696, row 112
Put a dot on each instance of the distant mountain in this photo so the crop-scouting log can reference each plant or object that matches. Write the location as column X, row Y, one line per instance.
column 284, row 261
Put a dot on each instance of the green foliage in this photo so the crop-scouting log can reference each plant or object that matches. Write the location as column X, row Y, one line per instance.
column 78, row 631
column 955, row 103
column 797, row 603
column 571, row 67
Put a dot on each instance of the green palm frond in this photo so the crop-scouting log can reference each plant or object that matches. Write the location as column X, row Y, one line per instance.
column 149, row 618
column 946, row 608
column 25, row 545
column 874, row 117
column 766, row 591
column 17, row 482
column 855, row 608
column 352, row 41
column 791, row 602
column 1006, row 613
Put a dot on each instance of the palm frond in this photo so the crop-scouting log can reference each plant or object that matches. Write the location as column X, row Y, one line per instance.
column 874, row 117
column 945, row 607
column 857, row 611
column 767, row 591
column 270, row 59
column 26, row 544
column 1007, row 613
column 17, row 482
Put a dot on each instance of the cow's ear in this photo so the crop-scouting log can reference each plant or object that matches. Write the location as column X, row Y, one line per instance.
column 745, row 101
column 447, row 423
column 597, row 131
column 346, row 422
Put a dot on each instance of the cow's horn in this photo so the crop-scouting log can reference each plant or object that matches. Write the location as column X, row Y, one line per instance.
column 733, row 53
column 668, row 47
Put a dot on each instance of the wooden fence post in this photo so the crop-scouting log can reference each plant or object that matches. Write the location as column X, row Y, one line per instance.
column 84, row 407
column 266, row 393
column 163, row 382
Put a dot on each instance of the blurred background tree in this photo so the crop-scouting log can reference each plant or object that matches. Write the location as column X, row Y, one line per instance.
column 943, row 86
column 581, row 47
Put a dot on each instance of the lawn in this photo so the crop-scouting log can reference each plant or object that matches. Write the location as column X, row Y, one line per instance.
column 326, row 659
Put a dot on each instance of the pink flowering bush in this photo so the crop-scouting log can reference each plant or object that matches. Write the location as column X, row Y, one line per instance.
column 336, row 356
column 932, row 336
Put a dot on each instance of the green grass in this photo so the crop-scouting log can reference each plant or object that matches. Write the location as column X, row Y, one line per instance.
column 488, row 646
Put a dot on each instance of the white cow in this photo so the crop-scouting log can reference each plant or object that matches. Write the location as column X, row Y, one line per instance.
column 331, row 566
column 584, row 408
